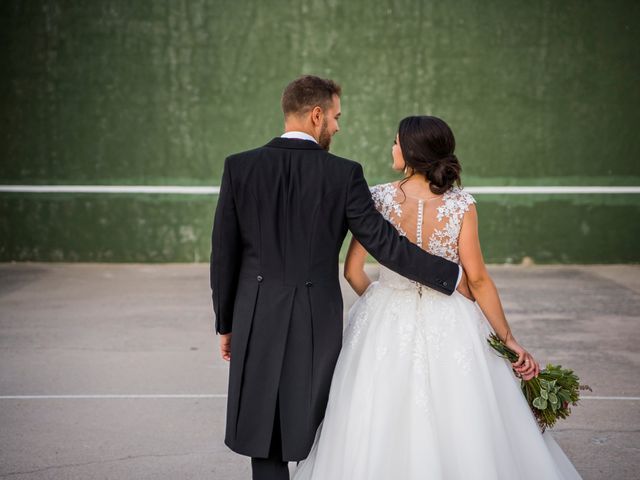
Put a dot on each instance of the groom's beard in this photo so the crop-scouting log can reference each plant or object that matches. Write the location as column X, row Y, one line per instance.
column 325, row 137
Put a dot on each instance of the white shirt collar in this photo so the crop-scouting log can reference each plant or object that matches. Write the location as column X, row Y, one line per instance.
column 298, row 135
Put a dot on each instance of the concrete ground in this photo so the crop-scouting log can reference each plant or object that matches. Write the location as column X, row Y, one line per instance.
column 111, row 371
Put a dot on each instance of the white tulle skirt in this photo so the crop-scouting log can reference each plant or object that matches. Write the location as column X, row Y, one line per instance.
column 418, row 394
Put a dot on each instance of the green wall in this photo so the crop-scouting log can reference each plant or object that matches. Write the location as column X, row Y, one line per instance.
column 159, row 92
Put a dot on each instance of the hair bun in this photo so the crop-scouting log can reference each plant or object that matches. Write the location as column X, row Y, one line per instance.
column 427, row 144
column 444, row 172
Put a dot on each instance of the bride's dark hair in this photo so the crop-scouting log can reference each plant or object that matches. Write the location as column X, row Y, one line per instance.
column 427, row 145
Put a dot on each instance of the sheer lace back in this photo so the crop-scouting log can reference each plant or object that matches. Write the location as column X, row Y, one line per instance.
column 431, row 223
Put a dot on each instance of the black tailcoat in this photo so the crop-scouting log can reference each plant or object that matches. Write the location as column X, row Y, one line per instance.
column 283, row 212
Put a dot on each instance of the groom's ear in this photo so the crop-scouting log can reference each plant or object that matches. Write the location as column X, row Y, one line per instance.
column 317, row 115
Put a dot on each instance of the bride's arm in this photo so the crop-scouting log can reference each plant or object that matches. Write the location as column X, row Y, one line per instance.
column 354, row 267
column 486, row 294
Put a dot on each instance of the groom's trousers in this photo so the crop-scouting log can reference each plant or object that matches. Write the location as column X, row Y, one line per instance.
column 272, row 468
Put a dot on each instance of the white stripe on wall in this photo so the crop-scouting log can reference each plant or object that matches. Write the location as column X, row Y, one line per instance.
column 552, row 190
column 109, row 189
column 522, row 190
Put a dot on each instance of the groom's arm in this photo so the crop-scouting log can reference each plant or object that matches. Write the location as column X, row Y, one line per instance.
column 382, row 241
column 225, row 255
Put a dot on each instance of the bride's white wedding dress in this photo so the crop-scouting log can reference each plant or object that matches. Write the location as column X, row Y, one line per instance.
column 417, row 392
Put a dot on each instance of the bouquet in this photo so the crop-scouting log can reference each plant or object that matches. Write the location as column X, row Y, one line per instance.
column 550, row 393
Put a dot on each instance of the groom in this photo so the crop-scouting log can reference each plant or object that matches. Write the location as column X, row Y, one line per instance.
column 282, row 215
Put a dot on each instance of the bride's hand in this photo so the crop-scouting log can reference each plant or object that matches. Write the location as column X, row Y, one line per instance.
column 526, row 367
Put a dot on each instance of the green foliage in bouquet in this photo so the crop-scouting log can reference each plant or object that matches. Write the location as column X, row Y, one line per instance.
column 550, row 393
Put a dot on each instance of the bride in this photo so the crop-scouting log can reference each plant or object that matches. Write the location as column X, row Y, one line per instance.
column 417, row 392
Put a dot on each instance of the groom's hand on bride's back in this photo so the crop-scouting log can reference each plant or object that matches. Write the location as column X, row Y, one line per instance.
column 463, row 287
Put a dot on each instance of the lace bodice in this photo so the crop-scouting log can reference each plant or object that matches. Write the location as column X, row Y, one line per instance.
column 433, row 224
column 440, row 217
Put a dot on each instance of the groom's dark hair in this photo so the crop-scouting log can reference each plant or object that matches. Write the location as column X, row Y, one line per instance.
column 307, row 92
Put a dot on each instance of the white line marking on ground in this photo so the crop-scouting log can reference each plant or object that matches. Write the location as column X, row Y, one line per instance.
column 185, row 190
column 179, row 395
column 590, row 397
column 203, row 395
